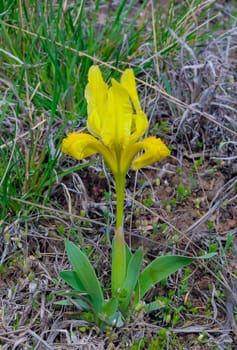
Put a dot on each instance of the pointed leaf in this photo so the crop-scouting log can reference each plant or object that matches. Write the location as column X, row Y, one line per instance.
column 116, row 320
column 71, row 278
column 63, row 302
column 86, row 274
column 67, row 302
column 110, row 307
column 131, row 278
column 153, row 306
column 161, row 268
column 128, row 254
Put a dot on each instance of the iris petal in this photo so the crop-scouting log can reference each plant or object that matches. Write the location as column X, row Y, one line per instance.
column 140, row 121
column 154, row 150
column 140, row 125
column 79, row 145
column 128, row 82
column 118, row 119
column 82, row 145
column 96, row 96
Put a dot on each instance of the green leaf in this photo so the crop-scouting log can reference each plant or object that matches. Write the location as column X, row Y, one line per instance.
column 116, row 320
column 128, row 254
column 67, row 302
column 86, row 274
column 110, row 307
column 119, row 265
column 63, row 302
column 71, row 278
column 153, row 306
column 131, row 279
column 161, row 268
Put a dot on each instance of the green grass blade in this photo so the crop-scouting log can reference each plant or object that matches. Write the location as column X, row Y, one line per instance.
column 86, row 274
column 161, row 268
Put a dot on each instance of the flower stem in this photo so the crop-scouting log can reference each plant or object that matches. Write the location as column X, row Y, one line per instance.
column 118, row 247
column 120, row 185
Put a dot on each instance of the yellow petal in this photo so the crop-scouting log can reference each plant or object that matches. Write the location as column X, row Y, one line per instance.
column 79, row 145
column 96, row 96
column 154, row 150
column 94, row 123
column 128, row 82
column 139, row 125
column 118, row 119
column 82, row 145
column 140, row 121
column 127, row 155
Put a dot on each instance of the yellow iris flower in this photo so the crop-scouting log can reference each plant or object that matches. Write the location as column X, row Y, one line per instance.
column 115, row 123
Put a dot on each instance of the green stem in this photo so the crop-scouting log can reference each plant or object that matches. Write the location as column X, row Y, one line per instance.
column 120, row 186
column 118, row 247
